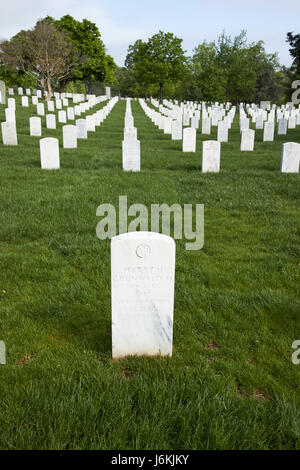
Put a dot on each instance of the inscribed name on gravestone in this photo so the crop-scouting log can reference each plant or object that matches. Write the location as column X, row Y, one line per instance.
column 142, row 293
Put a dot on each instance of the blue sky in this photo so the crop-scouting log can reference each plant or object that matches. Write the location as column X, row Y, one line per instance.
column 121, row 22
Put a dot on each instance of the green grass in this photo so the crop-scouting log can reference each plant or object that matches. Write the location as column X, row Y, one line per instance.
column 230, row 383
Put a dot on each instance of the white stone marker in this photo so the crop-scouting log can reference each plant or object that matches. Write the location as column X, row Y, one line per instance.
column 90, row 123
column 290, row 159
column 282, row 126
column 25, row 103
column 142, row 294
column 28, row 91
column 20, row 91
column 70, row 114
column 247, row 141
column 34, row 100
column 10, row 115
column 269, row 132
column 292, row 122
column 11, row 91
column 222, row 131
column 69, row 137
column 49, row 151
column 40, row 109
column 206, row 125
column 35, row 126
column 211, row 156
column 51, row 106
column 176, row 130
column 9, row 133
column 11, row 103
column 62, row 116
column 51, row 121
column 130, row 133
column 81, row 129
column 189, row 140
column 259, row 122
column 131, row 155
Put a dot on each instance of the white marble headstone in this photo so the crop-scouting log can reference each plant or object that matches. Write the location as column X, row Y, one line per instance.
column 131, row 155
column 35, row 126
column 247, row 141
column 49, row 150
column 282, row 126
column 269, row 132
column 211, row 155
column 142, row 294
column 50, row 121
column 81, row 129
column 9, row 133
column 290, row 159
column 189, row 140
column 69, row 137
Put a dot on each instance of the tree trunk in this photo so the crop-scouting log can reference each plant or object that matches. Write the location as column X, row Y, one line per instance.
column 161, row 86
column 50, row 91
column 43, row 88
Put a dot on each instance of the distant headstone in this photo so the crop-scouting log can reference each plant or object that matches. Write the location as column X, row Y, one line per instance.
column 247, row 141
column 20, row 91
column 62, row 116
column 51, row 106
column 69, row 137
column 35, row 126
column 222, row 131
column 25, row 103
column 10, row 115
column 282, row 126
column 259, row 122
column 90, row 123
column 130, row 133
column 290, row 159
column 11, row 103
column 34, row 100
column 9, row 133
column 206, row 125
column 50, row 121
column 49, row 150
column 292, row 122
column 176, row 130
column 70, row 114
column 81, row 129
column 211, row 155
column 40, row 109
column 2, row 92
column 142, row 293
column 131, row 155
column 269, row 132
column 189, row 140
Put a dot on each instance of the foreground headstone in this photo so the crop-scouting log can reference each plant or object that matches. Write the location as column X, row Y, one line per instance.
column 131, row 155
column 69, row 137
column 49, row 150
column 211, row 156
column 189, row 140
column 142, row 293
column 9, row 133
column 247, row 141
column 35, row 126
column 290, row 159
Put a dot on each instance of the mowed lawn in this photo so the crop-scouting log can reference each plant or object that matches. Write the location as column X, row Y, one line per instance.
column 231, row 383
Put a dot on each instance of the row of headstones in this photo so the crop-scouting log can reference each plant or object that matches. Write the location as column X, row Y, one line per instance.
column 211, row 149
column 173, row 125
column 70, row 133
column 131, row 146
column 49, row 147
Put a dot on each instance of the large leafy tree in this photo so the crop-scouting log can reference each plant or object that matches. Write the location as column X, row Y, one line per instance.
column 158, row 61
column 294, row 42
column 84, row 35
column 44, row 53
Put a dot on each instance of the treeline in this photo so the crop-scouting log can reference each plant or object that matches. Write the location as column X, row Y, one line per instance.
column 231, row 69
column 69, row 55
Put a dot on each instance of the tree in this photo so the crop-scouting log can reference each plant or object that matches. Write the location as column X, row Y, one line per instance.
column 43, row 53
column 97, row 65
column 294, row 42
column 160, row 60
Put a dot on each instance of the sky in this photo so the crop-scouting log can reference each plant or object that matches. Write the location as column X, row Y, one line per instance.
column 122, row 22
